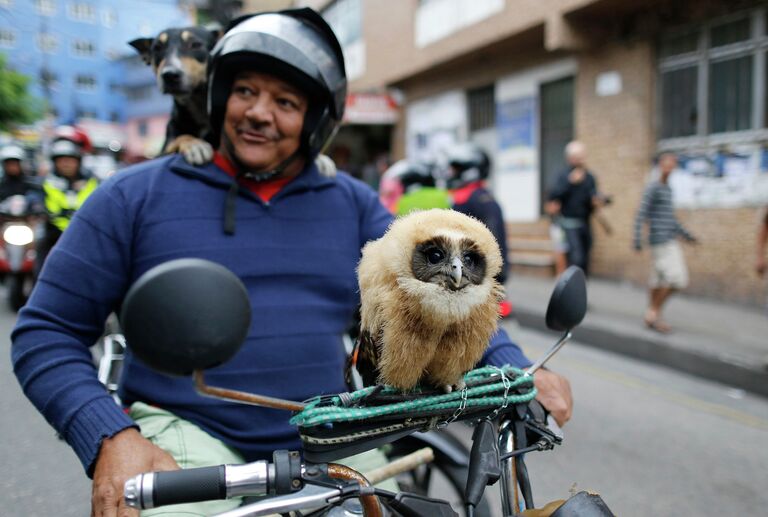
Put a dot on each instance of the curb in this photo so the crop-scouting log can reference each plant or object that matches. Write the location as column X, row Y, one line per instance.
column 705, row 365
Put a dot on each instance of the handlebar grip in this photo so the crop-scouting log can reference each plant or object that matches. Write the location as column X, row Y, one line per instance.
column 176, row 486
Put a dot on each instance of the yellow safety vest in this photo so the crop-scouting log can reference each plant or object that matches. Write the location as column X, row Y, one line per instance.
column 62, row 204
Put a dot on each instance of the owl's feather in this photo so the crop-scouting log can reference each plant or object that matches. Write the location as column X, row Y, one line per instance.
column 424, row 330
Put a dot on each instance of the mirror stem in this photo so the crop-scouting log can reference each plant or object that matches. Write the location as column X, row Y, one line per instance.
column 552, row 351
column 243, row 397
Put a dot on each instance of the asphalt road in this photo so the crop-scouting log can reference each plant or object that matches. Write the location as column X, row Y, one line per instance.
column 651, row 441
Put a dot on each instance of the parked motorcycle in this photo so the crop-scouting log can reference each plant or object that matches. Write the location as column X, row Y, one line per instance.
column 17, row 248
column 161, row 322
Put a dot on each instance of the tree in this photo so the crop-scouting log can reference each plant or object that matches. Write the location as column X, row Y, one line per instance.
column 17, row 106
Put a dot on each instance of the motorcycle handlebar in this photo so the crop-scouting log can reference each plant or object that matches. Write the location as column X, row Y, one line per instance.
column 155, row 489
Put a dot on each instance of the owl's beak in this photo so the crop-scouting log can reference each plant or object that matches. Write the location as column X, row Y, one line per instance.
column 456, row 270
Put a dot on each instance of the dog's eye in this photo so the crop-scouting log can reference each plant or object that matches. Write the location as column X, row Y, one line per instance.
column 195, row 45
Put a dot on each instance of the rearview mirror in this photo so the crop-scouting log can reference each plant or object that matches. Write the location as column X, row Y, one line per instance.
column 568, row 303
column 185, row 315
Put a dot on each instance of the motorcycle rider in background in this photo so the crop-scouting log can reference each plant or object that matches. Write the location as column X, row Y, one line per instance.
column 66, row 189
column 15, row 182
column 469, row 169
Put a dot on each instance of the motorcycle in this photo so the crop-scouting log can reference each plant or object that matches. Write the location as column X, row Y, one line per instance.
column 161, row 327
column 17, row 248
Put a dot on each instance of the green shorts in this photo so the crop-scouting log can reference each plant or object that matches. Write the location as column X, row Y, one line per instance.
column 192, row 447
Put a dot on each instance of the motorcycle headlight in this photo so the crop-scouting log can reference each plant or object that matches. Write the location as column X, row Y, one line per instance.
column 18, row 234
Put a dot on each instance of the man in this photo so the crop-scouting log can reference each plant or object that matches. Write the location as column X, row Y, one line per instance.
column 14, row 182
column 668, row 270
column 576, row 196
column 66, row 189
column 470, row 168
column 762, row 241
column 262, row 210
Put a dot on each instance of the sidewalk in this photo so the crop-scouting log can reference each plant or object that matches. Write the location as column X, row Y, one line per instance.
column 719, row 341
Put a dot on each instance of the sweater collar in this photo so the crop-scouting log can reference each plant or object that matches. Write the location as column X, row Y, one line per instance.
column 308, row 179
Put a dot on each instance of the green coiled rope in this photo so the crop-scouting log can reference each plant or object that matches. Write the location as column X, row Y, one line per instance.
column 479, row 393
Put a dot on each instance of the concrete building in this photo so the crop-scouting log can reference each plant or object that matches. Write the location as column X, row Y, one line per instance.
column 629, row 79
column 67, row 47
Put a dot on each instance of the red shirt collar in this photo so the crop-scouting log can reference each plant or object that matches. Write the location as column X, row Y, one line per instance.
column 263, row 189
column 461, row 195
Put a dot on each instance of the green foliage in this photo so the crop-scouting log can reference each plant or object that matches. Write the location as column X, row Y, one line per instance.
column 17, row 106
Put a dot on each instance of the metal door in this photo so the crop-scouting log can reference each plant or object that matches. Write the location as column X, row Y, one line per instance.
column 556, row 129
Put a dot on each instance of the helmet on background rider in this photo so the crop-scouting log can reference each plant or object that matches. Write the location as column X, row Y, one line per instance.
column 75, row 135
column 65, row 148
column 296, row 46
column 411, row 174
column 12, row 152
column 468, row 163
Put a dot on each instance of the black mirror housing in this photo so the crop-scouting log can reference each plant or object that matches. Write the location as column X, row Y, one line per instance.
column 185, row 315
column 568, row 303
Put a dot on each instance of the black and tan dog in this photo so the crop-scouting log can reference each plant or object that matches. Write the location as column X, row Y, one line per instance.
column 179, row 58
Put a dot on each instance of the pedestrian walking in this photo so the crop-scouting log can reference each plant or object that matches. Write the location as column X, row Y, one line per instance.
column 668, row 270
column 762, row 241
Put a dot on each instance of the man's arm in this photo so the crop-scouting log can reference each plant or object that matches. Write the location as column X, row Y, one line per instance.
column 641, row 216
column 83, row 277
column 554, row 389
column 762, row 241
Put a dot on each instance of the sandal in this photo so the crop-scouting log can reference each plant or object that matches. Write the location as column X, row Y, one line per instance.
column 658, row 325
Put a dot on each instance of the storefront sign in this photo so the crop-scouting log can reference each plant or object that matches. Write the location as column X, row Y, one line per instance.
column 370, row 108
column 516, row 123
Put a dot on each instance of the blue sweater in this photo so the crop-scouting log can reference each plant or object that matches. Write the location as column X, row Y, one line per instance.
column 296, row 256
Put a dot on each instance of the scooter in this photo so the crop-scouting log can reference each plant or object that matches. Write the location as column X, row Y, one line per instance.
column 498, row 401
column 17, row 248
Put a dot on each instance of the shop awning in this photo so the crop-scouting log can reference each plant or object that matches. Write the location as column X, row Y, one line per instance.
column 370, row 108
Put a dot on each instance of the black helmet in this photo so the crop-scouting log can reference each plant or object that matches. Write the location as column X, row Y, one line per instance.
column 411, row 174
column 470, row 163
column 296, row 45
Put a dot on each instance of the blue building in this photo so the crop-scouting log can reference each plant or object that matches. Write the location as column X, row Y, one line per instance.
column 73, row 48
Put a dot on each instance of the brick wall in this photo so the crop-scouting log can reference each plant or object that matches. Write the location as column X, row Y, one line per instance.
column 619, row 134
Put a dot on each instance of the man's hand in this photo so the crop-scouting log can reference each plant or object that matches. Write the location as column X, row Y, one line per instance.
column 554, row 394
column 577, row 175
column 121, row 457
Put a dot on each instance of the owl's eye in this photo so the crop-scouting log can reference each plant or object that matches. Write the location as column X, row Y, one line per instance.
column 470, row 259
column 435, row 256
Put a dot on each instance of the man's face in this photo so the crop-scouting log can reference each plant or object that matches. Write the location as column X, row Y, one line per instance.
column 667, row 164
column 12, row 167
column 263, row 121
column 66, row 165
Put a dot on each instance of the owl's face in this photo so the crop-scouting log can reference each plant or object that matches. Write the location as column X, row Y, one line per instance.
column 450, row 261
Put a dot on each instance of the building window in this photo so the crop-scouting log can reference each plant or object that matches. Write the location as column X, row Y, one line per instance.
column 45, row 7
column 82, row 12
column 140, row 92
column 345, row 18
column 712, row 76
column 7, row 38
column 143, row 128
column 85, row 82
column 83, row 48
column 109, row 18
column 48, row 79
column 47, row 42
column 85, row 113
column 481, row 104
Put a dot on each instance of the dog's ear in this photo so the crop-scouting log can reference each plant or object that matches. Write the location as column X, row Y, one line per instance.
column 143, row 47
column 216, row 31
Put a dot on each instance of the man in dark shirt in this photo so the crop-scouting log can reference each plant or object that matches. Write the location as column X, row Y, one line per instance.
column 574, row 198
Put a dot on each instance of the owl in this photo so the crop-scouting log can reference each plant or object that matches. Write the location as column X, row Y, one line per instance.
column 429, row 300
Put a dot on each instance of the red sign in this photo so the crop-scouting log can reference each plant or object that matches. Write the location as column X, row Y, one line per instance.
column 370, row 108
